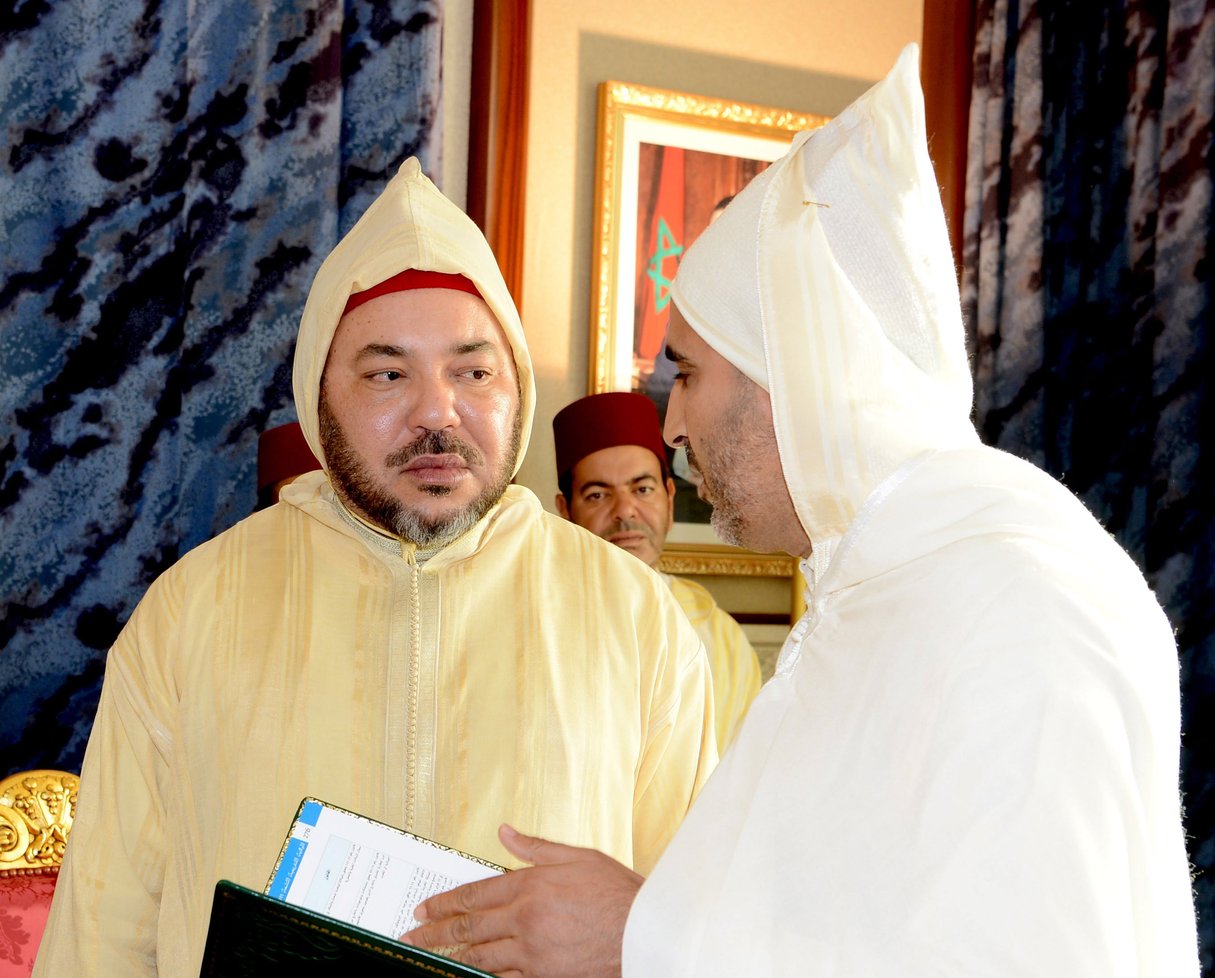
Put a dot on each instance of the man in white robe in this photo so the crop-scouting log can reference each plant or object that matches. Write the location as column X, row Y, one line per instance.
column 967, row 761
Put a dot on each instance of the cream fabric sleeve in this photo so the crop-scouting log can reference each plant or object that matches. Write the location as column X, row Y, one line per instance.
column 732, row 661
column 736, row 676
column 680, row 750
column 104, row 917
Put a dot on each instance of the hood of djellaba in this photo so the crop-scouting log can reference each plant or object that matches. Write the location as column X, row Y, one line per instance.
column 410, row 225
column 830, row 282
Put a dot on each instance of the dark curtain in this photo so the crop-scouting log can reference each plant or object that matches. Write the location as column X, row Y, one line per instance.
column 1087, row 289
column 172, row 175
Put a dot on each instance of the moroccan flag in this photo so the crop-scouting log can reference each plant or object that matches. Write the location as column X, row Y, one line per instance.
column 664, row 245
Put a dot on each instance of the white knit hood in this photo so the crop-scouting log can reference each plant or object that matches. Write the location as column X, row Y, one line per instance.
column 829, row 281
column 410, row 225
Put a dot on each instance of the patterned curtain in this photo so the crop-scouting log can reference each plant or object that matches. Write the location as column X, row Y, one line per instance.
column 1087, row 288
column 173, row 174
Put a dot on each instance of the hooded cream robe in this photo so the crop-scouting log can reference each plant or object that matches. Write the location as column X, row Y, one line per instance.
column 967, row 761
column 733, row 663
column 529, row 672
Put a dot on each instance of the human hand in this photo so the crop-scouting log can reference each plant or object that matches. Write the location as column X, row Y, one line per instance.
column 561, row 917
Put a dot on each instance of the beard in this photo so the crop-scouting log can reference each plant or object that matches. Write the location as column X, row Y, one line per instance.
column 359, row 490
column 728, row 467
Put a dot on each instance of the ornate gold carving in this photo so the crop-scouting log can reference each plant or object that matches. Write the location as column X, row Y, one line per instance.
column 618, row 102
column 708, row 559
column 36, row 812
column 744, row 115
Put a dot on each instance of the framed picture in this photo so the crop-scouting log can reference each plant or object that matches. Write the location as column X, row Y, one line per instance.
column 667, row 163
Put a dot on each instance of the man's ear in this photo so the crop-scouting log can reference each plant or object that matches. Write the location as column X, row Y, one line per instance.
column 562, row 506
column 670, row 501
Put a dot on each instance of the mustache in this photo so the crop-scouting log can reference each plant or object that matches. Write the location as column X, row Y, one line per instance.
column 692, row 460
column 434, row 443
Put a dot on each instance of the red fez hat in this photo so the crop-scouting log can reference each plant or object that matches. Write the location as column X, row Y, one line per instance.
column 411, row 278
column 605, row 421
column 282, row 453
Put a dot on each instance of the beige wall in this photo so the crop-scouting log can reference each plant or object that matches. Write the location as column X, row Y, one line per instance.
column 809, row 55
column 452, row 179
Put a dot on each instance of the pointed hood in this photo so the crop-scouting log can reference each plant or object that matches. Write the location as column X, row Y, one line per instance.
column 829, row 281
column 410, row 225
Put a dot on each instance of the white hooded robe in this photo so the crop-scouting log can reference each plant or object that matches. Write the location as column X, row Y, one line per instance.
column 967, row 762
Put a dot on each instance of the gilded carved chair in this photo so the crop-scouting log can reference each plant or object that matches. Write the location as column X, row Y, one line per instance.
column 36, row 810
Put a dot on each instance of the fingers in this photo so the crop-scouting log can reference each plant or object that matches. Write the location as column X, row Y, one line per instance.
column 548, row 919
column 466, row 938
column 482, row 895
column 448, row 932
column 441, row 934
column 525, row 847
column 501, row 958
column 537, row 851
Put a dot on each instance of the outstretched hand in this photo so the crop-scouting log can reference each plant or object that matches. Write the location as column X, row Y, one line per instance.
column 561, row 917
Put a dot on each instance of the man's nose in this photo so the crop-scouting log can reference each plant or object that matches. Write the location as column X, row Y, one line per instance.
column 433, row 405
column 624, row 506
column 674, row 430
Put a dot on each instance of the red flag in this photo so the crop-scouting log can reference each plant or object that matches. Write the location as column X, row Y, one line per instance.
column 664, row 237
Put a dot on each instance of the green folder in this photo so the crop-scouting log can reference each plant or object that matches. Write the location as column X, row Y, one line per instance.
column 252, row 934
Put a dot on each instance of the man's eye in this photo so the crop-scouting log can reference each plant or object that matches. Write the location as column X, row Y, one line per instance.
column 645, row 490
column 387, row 375
column 477, row 373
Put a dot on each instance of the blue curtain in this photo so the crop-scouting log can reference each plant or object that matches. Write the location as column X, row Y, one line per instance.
column 1087, row 285
column 173, row 174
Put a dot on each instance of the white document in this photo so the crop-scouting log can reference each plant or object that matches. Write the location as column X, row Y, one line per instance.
column 364, row 872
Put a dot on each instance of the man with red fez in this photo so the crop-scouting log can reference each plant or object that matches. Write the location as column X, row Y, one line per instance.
column 405, row 634
column 283, row 456
column 967, row 761
column 615, row 481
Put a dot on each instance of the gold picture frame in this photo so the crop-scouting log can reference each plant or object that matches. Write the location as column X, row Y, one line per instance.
column 663, row 154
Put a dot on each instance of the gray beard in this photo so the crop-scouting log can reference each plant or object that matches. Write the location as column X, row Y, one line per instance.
column 724, row 516
column 724, row 470
column 357, row 488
